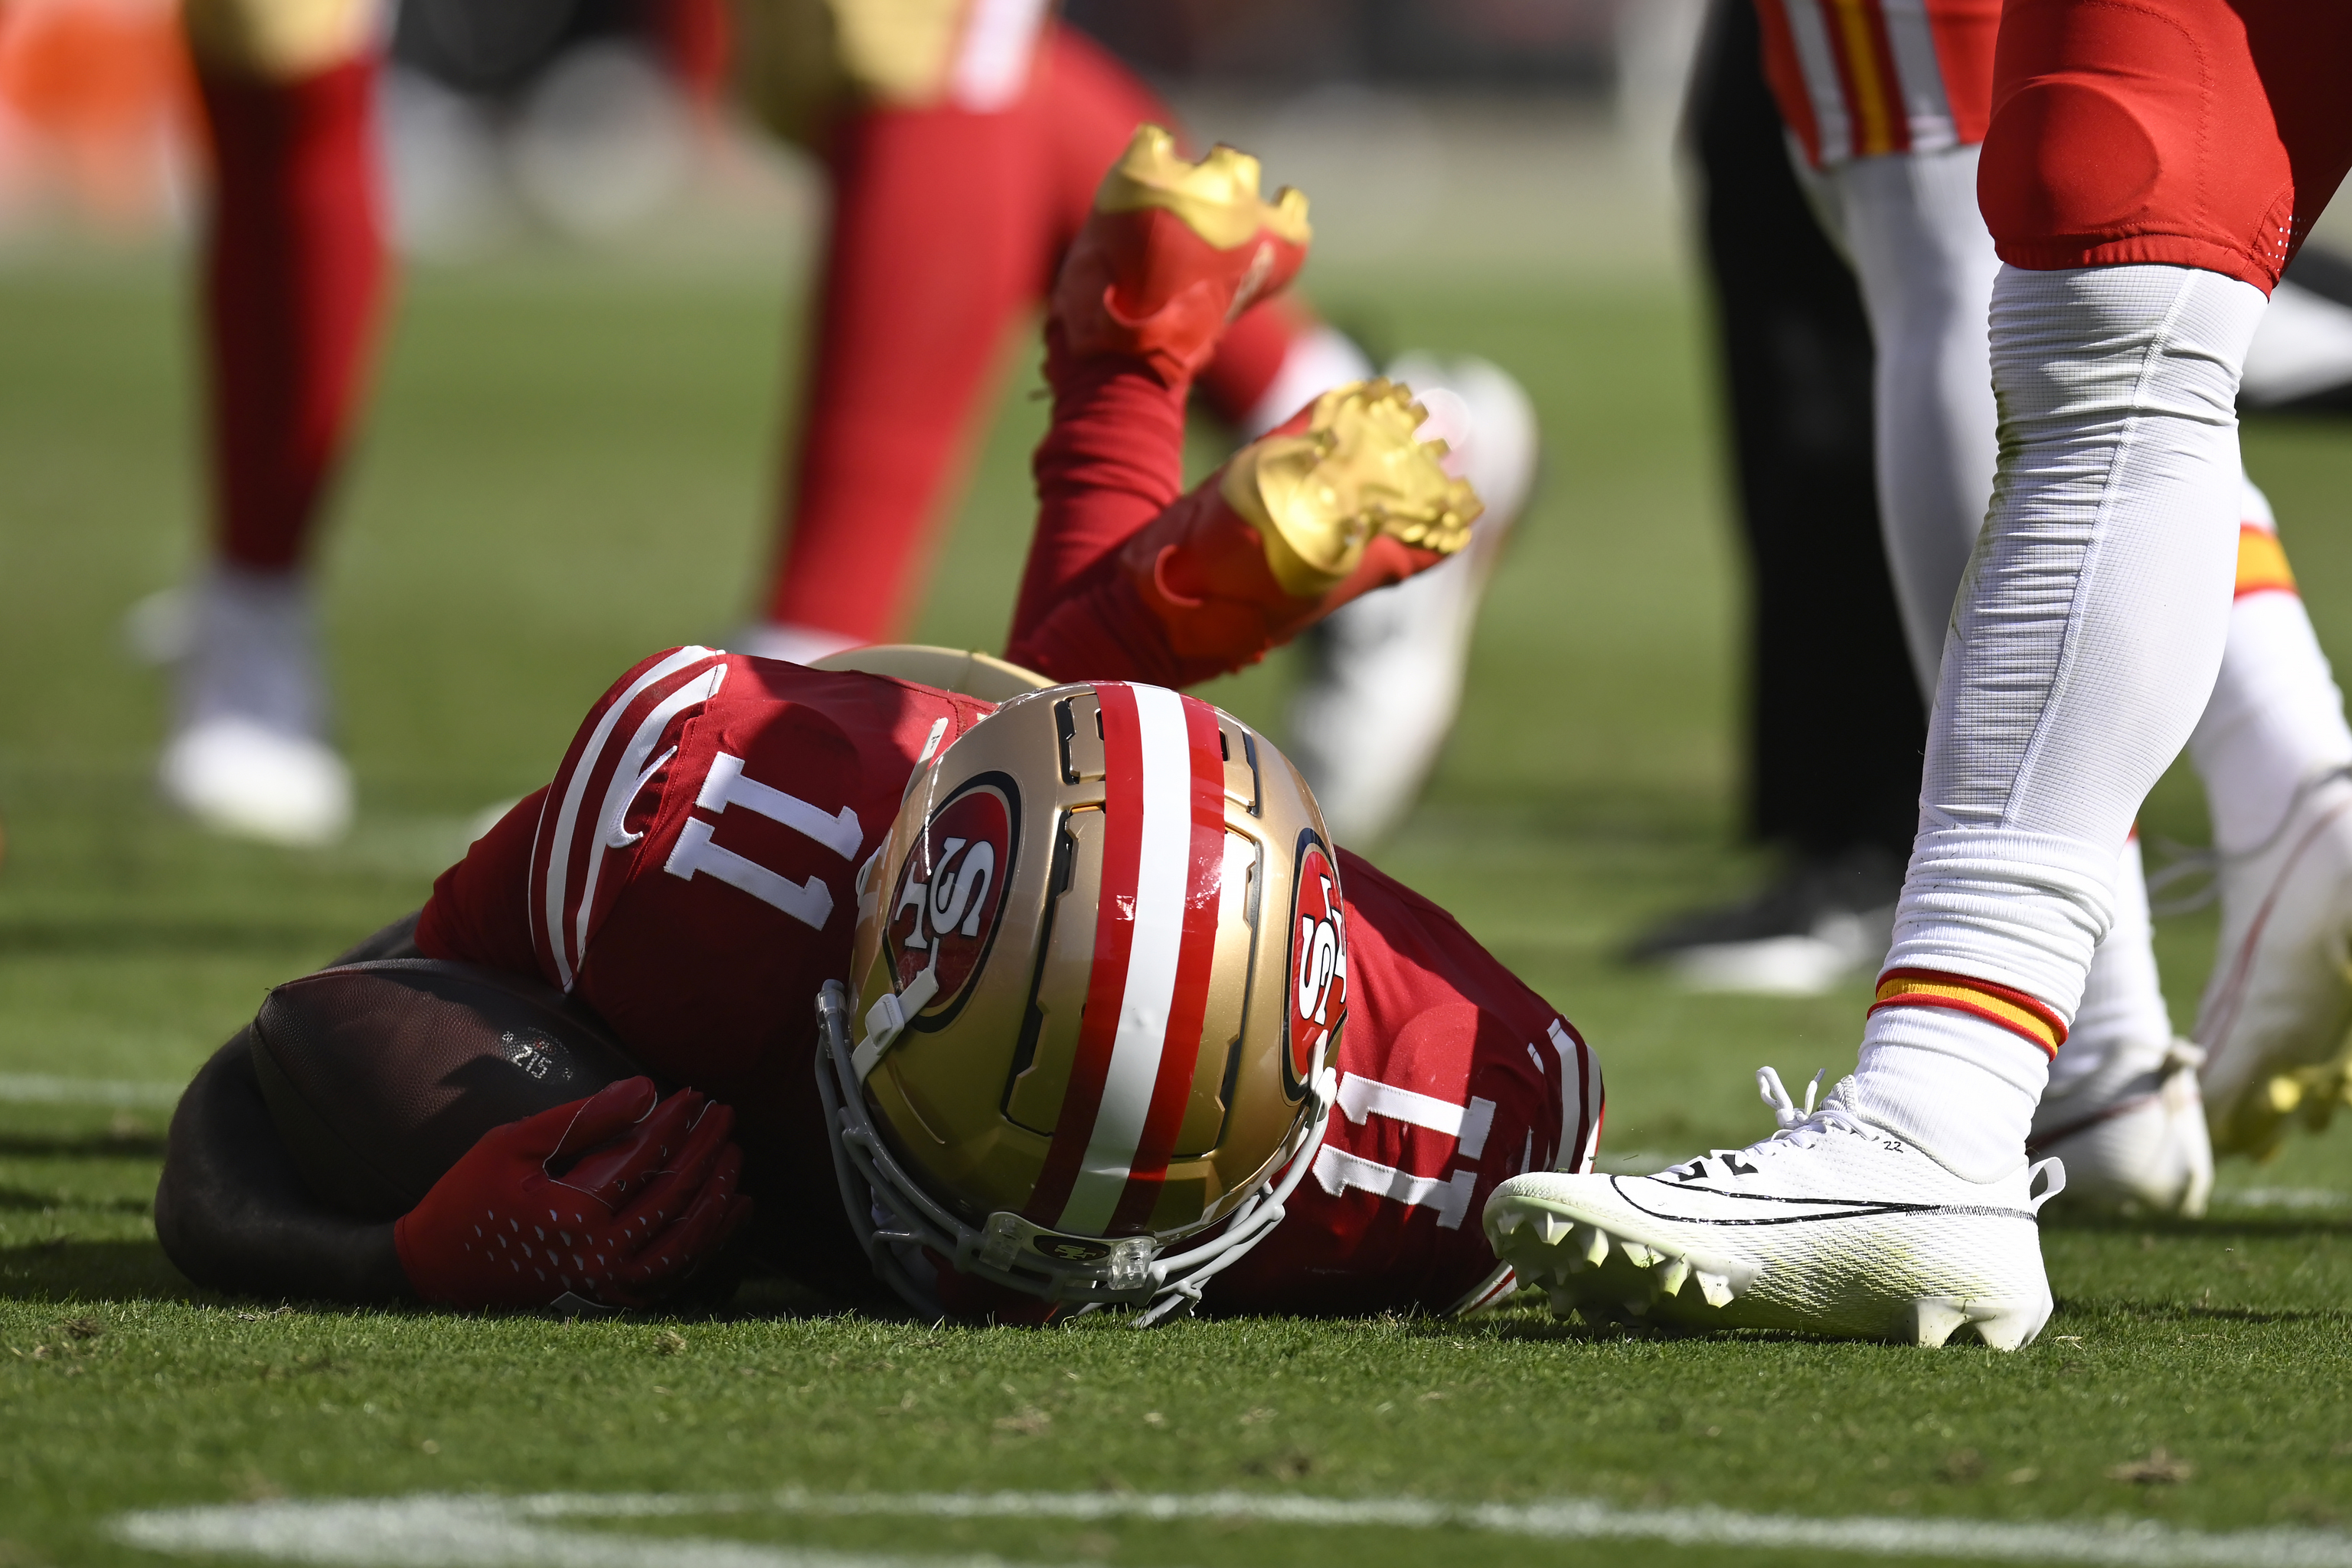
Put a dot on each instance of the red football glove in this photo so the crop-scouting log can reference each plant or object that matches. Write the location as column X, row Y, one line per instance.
column 649, row 1198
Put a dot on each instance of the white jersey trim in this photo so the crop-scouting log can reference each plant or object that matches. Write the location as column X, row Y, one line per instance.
column 567, row 818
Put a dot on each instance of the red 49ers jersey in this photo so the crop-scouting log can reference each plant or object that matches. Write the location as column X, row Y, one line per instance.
column 1453, row 1076
column 690, row 873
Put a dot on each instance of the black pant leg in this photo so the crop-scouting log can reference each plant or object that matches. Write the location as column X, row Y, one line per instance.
column 1836, row 728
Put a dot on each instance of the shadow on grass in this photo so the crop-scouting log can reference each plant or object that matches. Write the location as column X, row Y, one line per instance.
column 65, row 1268
column 101, row 1143
column 114, row 936
column 25, row 1202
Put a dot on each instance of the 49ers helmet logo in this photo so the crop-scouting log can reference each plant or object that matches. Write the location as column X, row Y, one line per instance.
column 943, row 912
column 1318, row 964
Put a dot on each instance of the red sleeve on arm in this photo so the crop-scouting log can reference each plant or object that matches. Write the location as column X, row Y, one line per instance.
column 479, row 911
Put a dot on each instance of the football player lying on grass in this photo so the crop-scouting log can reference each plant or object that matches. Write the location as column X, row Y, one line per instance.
column 1006, row 1007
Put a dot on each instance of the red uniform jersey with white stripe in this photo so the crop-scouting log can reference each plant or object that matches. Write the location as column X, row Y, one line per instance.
column 1855, row 79
column 689, row 873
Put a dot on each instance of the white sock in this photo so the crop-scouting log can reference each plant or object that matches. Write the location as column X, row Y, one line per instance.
column 1315, row 362
column 1959, row 1088
column 2275, row 719
column 2085, row 641
column 2123, row 1009
column 253, row 653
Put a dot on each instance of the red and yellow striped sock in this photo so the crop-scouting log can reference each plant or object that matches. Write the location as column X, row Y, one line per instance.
column 2011, row 1009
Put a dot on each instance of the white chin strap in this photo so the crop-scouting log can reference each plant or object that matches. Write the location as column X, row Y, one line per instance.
column 897, row 1221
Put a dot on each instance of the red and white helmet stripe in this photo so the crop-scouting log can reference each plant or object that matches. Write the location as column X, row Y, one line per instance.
column 1163, row 887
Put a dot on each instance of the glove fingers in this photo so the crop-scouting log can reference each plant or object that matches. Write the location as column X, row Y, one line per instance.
column 674, row 1188
column 587, row 1122
column 697, row 1234
column 625, row 1164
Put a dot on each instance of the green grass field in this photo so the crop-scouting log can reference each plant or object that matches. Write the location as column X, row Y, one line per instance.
column 566, row 471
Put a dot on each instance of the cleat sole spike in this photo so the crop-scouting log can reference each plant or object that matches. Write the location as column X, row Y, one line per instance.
column 1639, row 1256
column 2013, row 1328
column 1671, row 1278
column 1593, row 1245
column 1715, row 1287
column 1550, row 1228
column 1930, row 1323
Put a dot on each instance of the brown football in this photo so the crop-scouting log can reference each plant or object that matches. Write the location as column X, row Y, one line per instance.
column 381, row 1075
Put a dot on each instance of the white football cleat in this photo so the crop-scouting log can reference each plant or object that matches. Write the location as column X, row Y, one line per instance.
column 238, row 778
column 2131, row 1132
column 1829, row 1226
column 1368, row 724
column 2275, row 1013
column 247, row 754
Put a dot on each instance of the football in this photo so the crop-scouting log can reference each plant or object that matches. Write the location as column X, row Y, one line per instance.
column 381, row 1075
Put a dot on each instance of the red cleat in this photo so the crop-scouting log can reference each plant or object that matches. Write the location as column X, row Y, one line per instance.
column 1338, row 501
column 1172, row 252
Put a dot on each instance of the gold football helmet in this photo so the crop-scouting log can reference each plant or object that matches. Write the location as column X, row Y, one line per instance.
column 1101, row 964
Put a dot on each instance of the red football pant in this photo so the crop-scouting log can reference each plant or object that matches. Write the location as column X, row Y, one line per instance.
column 2205, row 133
column 947, row 227
column 294, row 272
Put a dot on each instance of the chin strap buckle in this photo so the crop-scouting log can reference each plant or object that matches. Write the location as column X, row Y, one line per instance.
column 888, row 1018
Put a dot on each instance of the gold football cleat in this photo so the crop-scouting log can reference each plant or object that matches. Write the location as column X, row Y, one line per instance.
column 2309, row 1095
column 1356, row 472
column 1217, row 198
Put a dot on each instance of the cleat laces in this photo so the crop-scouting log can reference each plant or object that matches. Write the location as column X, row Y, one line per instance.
column 1797, row 1128
column 1803, row 1128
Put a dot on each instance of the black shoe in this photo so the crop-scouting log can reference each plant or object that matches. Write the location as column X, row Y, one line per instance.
column 1824, row 918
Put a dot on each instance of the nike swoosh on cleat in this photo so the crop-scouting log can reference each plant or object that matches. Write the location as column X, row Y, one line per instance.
column 1845, row 1208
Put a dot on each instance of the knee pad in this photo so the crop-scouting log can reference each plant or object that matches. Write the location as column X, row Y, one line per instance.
column 2134, row 133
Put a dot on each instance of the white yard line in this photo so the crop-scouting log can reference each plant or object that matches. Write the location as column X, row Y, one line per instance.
column 126, row 1094
column 462, row 1532
column 454, row 1532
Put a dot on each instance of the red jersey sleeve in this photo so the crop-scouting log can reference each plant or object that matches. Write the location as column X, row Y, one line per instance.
column 478, row 913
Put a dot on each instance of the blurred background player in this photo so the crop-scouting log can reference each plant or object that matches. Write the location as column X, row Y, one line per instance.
column 1834, row 723
column 988, row 123
column 293, row 276
column 992, row 123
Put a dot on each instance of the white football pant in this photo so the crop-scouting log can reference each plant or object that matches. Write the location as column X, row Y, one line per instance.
column 1910, row 225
